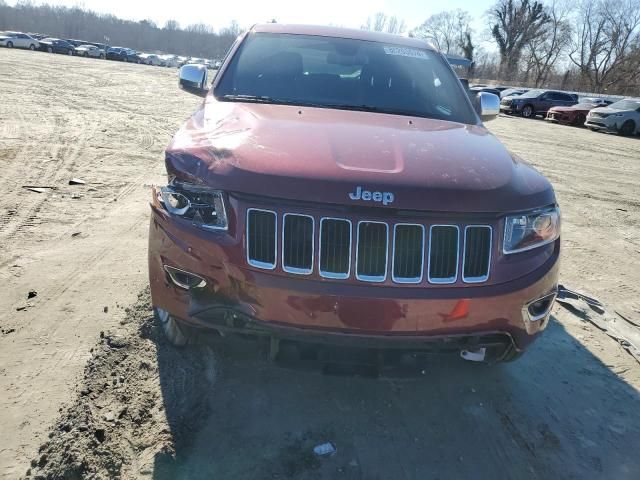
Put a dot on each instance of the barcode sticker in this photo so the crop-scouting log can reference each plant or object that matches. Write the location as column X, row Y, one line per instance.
column 406, row 52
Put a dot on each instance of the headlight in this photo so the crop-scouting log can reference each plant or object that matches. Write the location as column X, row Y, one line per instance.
column 530, row 230
column 203, row 206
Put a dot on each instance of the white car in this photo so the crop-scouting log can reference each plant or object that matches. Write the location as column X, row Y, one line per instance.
column 18, row 40
column 151, row 59
column 89, row 51
column 622, row 117
column 170, row 60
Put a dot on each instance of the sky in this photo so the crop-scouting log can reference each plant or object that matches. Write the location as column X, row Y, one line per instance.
column 346, row 13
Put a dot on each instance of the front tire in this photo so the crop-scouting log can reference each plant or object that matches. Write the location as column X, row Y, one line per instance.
column 32, row 47
column 125, row 59
column 527, row 111
column 176, row 333
column 49, row 49
column 627, row 128
column 579, row 120
column 70, row 52
column 9, row 44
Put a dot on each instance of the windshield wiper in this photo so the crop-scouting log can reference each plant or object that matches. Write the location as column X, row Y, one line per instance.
column 302, row 103
column 258, row 99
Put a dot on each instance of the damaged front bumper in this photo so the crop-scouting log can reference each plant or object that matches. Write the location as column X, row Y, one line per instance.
column 202, row 279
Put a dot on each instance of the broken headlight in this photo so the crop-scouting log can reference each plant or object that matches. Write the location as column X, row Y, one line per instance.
column 530, row 230
column 203, row 206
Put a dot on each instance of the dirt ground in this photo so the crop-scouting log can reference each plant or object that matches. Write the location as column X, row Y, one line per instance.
column 90, row 389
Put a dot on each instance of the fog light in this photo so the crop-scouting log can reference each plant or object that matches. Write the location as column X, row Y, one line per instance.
column 535, row 312
column 184, row 279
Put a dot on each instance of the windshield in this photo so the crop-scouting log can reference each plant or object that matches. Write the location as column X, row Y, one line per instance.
column 626, row 105
column 344, row 73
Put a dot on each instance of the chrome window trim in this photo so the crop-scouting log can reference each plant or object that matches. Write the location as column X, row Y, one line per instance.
column 464, row 256
column 370, row 278
column 298, row 271
column 254, row 263
column 406, row 280
column 334, row 275
column 448, row 280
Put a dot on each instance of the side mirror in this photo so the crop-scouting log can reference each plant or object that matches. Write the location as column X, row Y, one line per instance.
column 193, row 79
column 487, row 105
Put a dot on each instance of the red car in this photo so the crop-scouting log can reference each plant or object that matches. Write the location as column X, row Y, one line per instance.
column 339, row 187
column 575, row 114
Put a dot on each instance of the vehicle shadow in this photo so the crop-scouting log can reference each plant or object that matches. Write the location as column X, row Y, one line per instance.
column 558, row 412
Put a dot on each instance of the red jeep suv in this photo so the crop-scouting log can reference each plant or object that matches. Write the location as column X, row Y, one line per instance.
column 338, row 187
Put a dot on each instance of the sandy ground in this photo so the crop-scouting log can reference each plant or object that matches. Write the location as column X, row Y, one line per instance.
column 76, row 403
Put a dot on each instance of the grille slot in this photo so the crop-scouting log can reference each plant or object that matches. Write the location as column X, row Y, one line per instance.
column 371, row 253
column 335, row 248
column 261, row 238
column 297, row 244
column 477, row 253
column 408, row 253
column 443, row 253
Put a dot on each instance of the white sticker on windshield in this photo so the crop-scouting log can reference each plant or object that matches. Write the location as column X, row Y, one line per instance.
column 406, row 52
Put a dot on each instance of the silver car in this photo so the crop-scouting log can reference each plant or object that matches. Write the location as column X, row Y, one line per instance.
column 622, row 117
column 89, row 51
column 18, row 40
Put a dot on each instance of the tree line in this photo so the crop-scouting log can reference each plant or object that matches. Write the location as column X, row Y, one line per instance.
column 581, row 45
column 197, row 40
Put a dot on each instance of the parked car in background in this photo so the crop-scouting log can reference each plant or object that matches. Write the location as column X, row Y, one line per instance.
column 513, row 92
column 182, row 60
column 622, row 117
column 123, row 54
column 574, row 114
column 151, row 59
column 170, row 60
column 89, row 51
column 18, row 40
column 56, row 45
column 536, row 102
column 196, row 61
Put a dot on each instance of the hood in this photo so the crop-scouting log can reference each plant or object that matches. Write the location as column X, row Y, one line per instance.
column 324, row 155
column 608, row 110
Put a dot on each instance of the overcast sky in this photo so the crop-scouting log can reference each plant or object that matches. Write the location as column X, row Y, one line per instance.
column 347, row 13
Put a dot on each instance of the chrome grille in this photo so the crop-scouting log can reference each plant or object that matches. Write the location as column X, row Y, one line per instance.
column 335, row 248
column 477, row 253
column 443, row 253
column 261, row 238
column 297, row 243
column 408, row 253
column 438, row 249
column 371, row 253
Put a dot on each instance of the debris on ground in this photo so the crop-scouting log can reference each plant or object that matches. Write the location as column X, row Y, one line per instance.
column 324, row 449
column 76, row 181
column 32, row 294
column 616, row 326
column 36, row 189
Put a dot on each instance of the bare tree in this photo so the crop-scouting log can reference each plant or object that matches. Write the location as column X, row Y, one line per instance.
column 542, row 52
column 448, row 31
column 607, row 34
column 381, row 22
column 515, row 23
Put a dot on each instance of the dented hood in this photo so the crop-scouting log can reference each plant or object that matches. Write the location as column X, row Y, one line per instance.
column 324, row 155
